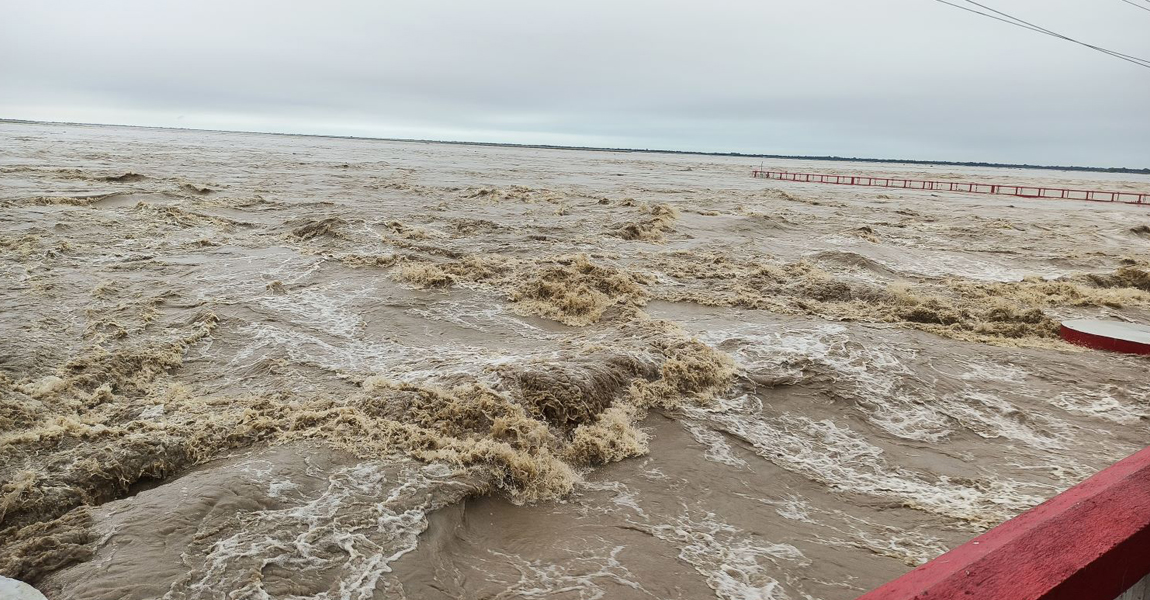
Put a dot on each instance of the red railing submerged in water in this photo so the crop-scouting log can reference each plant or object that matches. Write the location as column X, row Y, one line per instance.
column 1021, row 191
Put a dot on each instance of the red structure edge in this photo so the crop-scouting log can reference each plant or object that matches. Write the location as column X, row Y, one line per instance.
column 1101, row 342
column 1092, row 542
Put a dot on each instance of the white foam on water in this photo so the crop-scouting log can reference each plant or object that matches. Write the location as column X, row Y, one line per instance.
column 320, row 309
column 354, row 354
column 885, row 383
column 990, row 416
column 794, row 508
column 359, row 355
column 653, row 473
column 582, row 576
column 984, row 370
column 909, row 546
column 930, row 261
column 844, row 461
column 876, row 378
column 623, row 497
column 734, row 565
column 717, row 448
column 481, row 315
column 1102, row 404
column 939, row 264
column 372, row 518
column 245, row 279
column 278, row 489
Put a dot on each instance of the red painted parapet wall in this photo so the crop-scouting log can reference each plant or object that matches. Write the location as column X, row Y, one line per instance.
column 1092, row 542
column 1021, row 191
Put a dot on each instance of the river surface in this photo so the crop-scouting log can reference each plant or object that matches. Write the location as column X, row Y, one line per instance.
column 263, row 366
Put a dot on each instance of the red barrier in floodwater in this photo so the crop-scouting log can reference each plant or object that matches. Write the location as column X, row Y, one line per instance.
column 1092, row 542
column 1116, row 336
column 1020, row 191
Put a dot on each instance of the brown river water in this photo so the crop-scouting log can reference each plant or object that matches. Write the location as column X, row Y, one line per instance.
column 261, row 366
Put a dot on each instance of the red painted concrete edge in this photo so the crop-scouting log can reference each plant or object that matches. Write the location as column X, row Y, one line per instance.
column 1092, row 542
column 1102, row 342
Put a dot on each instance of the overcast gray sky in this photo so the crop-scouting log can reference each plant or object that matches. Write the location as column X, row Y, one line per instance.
column 878, row 78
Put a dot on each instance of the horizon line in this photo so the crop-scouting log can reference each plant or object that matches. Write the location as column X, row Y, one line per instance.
column 828, row 158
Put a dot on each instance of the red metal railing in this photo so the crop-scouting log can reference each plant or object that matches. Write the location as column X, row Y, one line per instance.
column 1087, row 543
column 1022, row 191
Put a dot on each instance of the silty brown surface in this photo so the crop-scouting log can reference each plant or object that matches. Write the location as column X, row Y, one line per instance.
column 254, row 366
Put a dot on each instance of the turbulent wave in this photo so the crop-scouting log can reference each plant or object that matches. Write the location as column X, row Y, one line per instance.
column 104, row 423
column 1013, row 313
column 652, row 229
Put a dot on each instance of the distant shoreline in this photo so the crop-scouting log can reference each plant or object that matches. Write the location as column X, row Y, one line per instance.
column 945, row 163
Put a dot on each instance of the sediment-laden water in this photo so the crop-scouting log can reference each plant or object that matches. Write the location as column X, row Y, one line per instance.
column 254, row 366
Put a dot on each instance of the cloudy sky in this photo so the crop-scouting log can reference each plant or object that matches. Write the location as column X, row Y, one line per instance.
column 876, row 78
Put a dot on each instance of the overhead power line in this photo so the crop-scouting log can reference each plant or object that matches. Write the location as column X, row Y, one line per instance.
column 1136, row 5
column 998, row 15
column 1032, row 26
column 1059, row 35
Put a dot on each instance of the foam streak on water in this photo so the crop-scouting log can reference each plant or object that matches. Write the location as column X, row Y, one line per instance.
column 372, row 515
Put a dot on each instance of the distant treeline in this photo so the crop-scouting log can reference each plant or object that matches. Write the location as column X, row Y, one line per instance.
column 947, row 163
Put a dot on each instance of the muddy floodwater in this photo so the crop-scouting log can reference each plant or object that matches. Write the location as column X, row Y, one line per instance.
column 258, row 366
